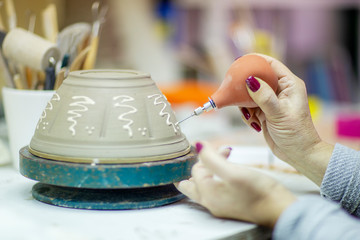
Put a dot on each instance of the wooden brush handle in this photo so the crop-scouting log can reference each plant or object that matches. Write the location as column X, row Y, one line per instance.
column 91, row 56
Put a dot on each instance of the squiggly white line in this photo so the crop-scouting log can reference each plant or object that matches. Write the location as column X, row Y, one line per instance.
column 49, row 107
column 126, row 98
column 83, row 108
column 162, row 113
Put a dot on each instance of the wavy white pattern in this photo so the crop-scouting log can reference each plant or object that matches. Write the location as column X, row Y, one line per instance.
column 49, row 107
column 123, row 99
column 157, row 101
column 76, row 113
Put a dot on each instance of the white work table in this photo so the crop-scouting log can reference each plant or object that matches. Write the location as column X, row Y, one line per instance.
column 23, row 217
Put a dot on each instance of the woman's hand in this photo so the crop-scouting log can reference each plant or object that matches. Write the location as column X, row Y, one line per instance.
column 232, row 191
column 286, row 122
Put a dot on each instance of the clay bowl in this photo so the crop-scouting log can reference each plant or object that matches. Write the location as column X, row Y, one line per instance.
column 108, row 116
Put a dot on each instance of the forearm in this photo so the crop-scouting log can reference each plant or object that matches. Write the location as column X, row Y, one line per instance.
column 312, row 217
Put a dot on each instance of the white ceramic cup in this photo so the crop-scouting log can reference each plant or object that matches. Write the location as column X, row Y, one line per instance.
column 22, row 109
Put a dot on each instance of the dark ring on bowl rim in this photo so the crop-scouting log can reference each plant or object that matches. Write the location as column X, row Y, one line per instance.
column 99, row 160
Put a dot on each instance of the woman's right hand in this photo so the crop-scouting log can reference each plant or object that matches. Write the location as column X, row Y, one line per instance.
column 286, row 122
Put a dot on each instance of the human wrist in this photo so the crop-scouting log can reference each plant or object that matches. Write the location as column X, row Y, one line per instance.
column 319, row 159
column 315, row 161
column 273, row 205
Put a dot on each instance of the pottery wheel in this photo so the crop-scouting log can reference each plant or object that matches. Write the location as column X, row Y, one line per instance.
column 106, row 186
column 106, row 199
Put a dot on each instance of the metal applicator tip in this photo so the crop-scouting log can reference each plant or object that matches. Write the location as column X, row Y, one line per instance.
column 207, row 107
column 193, row 114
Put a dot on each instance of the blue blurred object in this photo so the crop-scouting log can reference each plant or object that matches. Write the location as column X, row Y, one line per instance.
column 164, row 9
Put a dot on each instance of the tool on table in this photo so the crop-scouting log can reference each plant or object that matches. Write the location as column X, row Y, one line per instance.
column 31, row 19
column 5, row 74
column 29, row 49
column 10, row 10
column 50, row 75
column 232, row 91
column 31, row 76
column 78, row 62
column 50, row 23
column 69, row 39
column 25, row 56
column 12, row 79
column 99, row 19
column 60, row 77
column 2, row 26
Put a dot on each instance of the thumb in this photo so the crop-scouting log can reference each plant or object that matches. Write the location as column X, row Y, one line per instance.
column 263, row 95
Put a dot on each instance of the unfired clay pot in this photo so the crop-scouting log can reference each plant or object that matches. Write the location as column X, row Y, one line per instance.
column 108, row 116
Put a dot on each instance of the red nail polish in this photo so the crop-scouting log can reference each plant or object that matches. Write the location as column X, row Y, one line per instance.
column 198, row 147
column 256, row 126
column 246, row 113
column 237, row 58
column 253, row 83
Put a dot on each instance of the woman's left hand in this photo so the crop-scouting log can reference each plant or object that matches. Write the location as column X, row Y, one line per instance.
column 233, row 191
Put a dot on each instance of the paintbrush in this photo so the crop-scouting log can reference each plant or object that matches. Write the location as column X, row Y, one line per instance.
column 11, row 14
column 50, row 23
column 99, row 19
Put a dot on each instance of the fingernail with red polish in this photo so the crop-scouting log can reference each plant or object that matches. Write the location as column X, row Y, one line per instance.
column 246, row 113
column 253, row 83
column 227, row 154
column 256, row 126
column 230, row 150
column 237, row 58
column 198, row 146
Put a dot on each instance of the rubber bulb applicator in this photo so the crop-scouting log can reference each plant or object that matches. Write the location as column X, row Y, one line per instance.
column 232, row 91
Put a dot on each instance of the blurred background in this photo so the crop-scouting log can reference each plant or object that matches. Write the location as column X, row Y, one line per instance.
column 180, row 40
column 188, row 45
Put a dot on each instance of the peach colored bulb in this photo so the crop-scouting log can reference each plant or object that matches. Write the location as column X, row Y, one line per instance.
column 233, row 92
